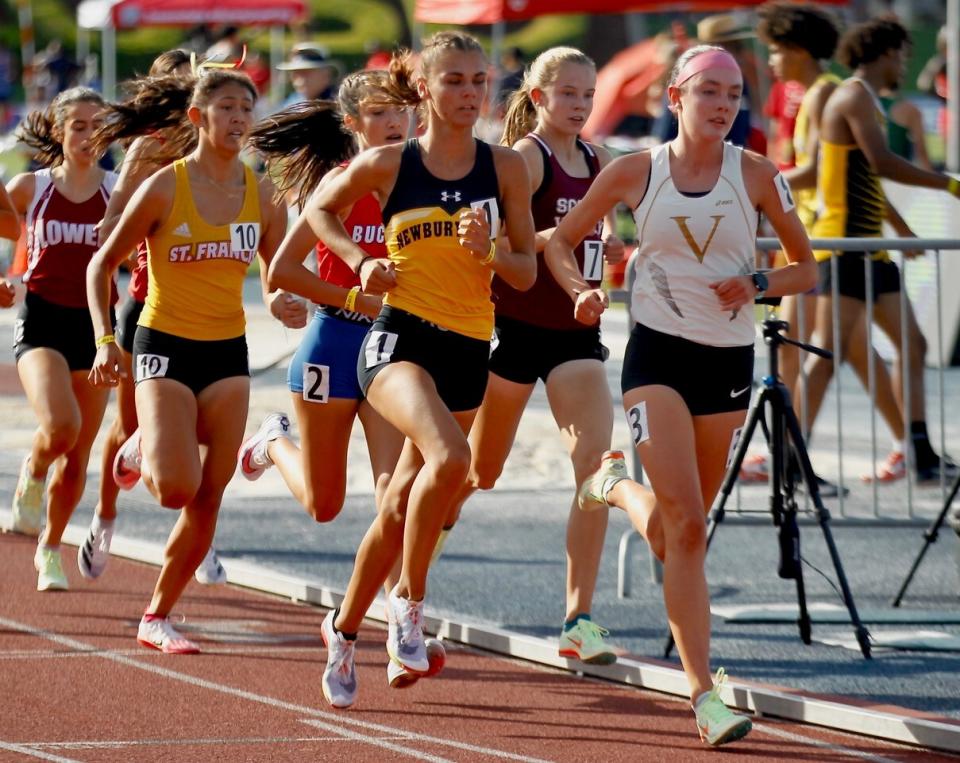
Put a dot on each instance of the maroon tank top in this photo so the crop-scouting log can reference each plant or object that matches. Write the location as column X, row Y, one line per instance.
column 546, row 304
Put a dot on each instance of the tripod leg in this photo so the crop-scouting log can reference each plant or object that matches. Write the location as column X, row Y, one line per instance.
column 823, row 519
column 717, row 511
column 930, row 535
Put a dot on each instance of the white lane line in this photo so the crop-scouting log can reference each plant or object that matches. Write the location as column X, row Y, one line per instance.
column 340, row 719
column 30, row 752
column 102, row 744
column 835, row 748
column 381, row 743
column 40, row 654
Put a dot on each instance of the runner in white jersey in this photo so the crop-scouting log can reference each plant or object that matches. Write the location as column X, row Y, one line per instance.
column 688, row 367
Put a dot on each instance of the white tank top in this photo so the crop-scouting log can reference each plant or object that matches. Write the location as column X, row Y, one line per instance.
column 685, row 243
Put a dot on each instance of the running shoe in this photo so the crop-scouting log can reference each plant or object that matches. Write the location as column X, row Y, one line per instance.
column 28, row 502
column 253, row 457
column 826, row 488
column 210, row 571
column 128, row 462
column 49, row 567
column 894, row 468
column 405, row 634
column 585, row 642
column 716, row 722
column 930, row 475
column 400, row 678
column 339, row 681
column 94, row 552
column 755, row 468
column 593, row 492
column 157, row 633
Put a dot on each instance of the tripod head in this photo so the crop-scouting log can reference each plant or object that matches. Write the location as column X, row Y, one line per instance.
column 772, row 337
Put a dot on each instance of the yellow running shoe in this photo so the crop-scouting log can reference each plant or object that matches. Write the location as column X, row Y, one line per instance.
column 593, row 492
column 28, row 502
column 584, row 642
column 716, row 722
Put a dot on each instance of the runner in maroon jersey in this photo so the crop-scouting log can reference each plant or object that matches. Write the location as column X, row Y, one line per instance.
column 54, row 338
column 537, row 336
column 9, row 228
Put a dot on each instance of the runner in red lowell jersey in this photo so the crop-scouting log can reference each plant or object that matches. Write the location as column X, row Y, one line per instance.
column 54, row 343
column 537, row 335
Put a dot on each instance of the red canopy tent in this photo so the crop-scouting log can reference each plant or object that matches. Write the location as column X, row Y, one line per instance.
column 107, row 16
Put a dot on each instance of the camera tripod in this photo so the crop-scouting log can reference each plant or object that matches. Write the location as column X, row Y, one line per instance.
column 930, row 536
column 783, row 434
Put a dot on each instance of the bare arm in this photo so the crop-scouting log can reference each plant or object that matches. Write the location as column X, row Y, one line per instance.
column 373, row 171
column 9, row 218
column 517, row 264
column 291, row 312
column 805, row 176
column 623, row 180
column 148, row 208
column 910, row 117
column 613, row 248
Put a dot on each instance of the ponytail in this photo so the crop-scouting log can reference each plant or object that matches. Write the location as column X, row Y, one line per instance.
column 520, row 118
column 302, row 143
column 401, row 86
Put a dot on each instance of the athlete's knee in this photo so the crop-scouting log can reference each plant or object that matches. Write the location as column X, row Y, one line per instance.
column 483, row 475
column 687, row 533
column 323, row 507
column 174, row 492
column 61, row 436
column 451, row 464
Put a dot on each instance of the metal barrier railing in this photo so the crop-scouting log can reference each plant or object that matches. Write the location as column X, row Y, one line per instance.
column 887, row 504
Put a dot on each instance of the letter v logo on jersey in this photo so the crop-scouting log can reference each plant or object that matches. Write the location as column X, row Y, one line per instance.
column 698, row 251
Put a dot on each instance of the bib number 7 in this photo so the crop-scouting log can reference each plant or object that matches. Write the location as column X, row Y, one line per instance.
column 593, row 260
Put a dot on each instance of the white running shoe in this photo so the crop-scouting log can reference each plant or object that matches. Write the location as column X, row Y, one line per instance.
column 210, row 571
column 405, row 634
column 94, row 552
column 400, row 678
column 339, row 682
column 49, row 567
column 252, row 456
column 157, row 633
column 28, row 502
column 128, row 462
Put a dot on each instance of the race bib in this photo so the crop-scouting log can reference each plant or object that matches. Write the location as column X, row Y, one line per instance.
column 637, row 421
column 493, row 213
column 593, row 260
column 379, row 347
column 316, row 383
column 151, row 366
column 244, row 237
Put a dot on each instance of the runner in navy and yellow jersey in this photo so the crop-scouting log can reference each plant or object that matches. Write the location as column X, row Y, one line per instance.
column 204, row 219
column 537, row 335
column 688, row 367
column 423, row 365
column 54, row 339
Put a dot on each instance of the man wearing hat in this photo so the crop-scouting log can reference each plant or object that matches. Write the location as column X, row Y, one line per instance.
column 313, row 73
column 728, row 30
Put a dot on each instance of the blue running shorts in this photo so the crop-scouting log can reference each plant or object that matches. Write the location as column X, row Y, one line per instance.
column 325, row 364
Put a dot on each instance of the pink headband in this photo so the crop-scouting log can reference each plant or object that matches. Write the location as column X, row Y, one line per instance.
column 711, row 59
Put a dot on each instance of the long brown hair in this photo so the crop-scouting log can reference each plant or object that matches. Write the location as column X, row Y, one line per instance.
column 42, row 130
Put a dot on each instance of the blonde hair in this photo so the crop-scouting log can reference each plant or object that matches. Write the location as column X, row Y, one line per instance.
column 521, row 115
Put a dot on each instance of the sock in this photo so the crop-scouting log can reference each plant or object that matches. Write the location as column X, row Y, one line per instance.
column 343, row 634
column 99, row 524
column 570, row 624
column 922, row 451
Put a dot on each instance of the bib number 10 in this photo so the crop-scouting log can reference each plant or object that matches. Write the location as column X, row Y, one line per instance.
column 244, row 237
column 593, row 260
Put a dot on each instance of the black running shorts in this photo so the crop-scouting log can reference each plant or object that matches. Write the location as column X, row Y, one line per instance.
column 852, row 278
column 68, row 330
column 525, row 353
column 127, row 323
column 457, row 363
column 709, row 379
column 194, row 363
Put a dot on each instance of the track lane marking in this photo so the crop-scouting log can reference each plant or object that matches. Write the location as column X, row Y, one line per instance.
column 340, row 719
column 822, row 744
column 30, row 752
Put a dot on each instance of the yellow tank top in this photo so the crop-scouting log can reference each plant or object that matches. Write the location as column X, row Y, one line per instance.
column 196, row 270
column 437, row 279
column 807, row 198
column 850, row 198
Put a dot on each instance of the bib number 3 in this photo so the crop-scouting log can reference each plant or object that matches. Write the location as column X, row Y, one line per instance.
column 637, row 420
column 244, row 237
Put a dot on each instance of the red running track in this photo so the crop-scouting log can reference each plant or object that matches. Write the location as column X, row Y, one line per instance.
column 76, row 686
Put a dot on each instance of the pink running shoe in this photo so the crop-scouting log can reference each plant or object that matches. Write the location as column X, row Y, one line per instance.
column 891, row 470
column 127, row 464
column 755, row 468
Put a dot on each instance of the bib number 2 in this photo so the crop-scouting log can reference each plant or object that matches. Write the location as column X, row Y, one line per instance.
column 316, row 383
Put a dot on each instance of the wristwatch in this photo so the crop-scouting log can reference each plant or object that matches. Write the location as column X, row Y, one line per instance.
column 760, row 283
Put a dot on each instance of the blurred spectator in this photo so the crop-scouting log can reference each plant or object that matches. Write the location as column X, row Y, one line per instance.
column 60, row 70
column 227, row 45
column 905, row 134
column 512, row 64
column 8, row 76
column 729, row 31
column 257, row 68
column 781, row 109
column 313, row 73
column 933, row 78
